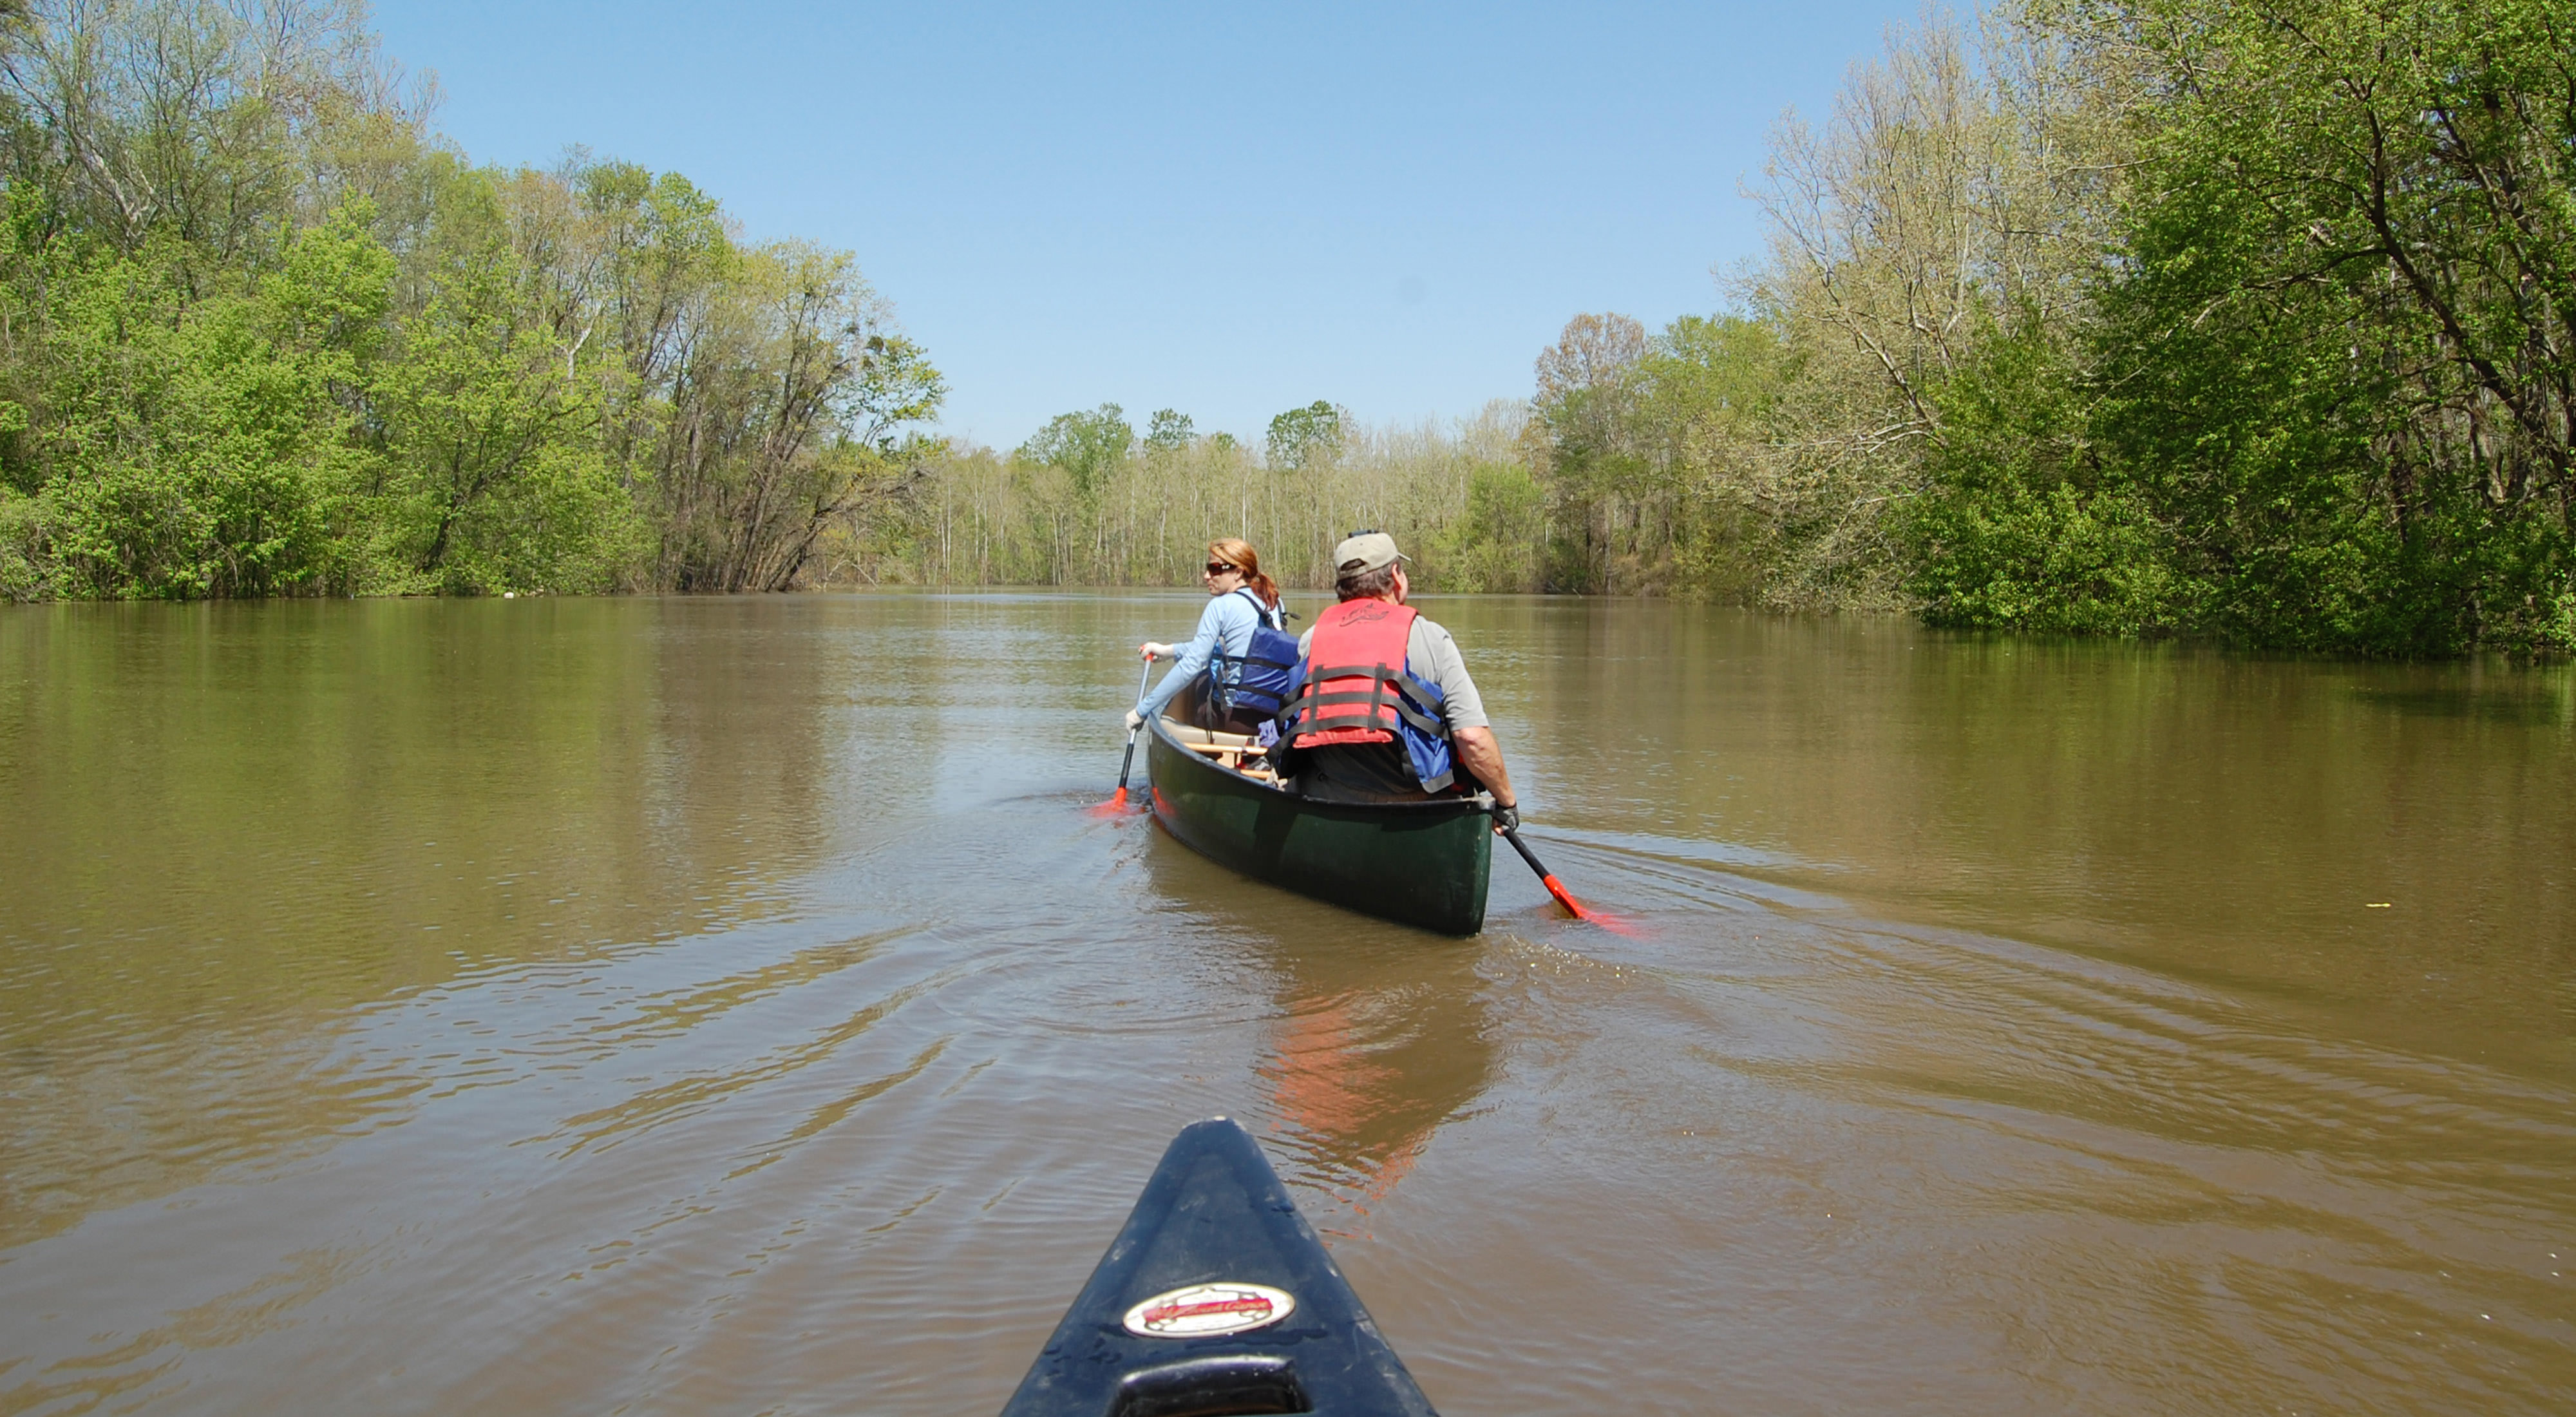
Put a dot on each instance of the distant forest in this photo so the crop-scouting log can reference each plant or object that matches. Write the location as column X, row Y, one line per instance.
column 2254, row 323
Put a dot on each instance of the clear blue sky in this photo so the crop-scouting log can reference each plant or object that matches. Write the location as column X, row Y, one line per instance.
column 1226, row 209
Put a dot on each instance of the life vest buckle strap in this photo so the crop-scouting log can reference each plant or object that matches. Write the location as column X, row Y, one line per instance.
column 1420, row 720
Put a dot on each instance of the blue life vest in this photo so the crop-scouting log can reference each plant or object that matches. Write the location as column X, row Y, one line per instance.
column 1257, row 684
column 1433, row 765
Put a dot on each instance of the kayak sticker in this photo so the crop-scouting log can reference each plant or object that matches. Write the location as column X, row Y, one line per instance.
column 1204, row 1309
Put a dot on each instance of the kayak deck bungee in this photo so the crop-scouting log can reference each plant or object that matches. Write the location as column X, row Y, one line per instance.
column 1419, row 863
column 1216, row 1298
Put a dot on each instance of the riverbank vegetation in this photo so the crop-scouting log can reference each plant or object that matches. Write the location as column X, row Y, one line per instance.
column 1088, row 502
column 263, row 332
column 2128, row 317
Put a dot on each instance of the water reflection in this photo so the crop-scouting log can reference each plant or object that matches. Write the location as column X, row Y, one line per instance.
column 1381, row 1033
column 2223, row 817
column 665, row 1006
column 233, row 828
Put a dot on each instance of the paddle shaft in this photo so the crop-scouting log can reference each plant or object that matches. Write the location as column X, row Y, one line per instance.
column 1129, row 761
column 1546, row 877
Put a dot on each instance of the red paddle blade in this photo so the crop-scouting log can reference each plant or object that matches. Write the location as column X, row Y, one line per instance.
column 1113, row 806
column 1616, row 925
column 1565, row 898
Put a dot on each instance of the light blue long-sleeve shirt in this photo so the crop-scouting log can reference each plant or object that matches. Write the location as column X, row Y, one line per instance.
column 1229, row 620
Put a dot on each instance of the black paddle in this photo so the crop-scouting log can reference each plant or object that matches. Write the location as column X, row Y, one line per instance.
column 1119, row 802
column 1547, row 878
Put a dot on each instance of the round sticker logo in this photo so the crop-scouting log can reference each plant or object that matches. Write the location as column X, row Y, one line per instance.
column 1204, row 1309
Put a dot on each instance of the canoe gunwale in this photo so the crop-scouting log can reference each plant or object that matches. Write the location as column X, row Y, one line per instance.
column 1481, row 803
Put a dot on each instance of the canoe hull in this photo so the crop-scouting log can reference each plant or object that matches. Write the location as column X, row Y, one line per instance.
column 1216, row 1296
column 1419, row 863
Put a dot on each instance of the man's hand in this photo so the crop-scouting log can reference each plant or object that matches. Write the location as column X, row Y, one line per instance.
column 1506, row 818
column 1154, row 649
column 1135, row 720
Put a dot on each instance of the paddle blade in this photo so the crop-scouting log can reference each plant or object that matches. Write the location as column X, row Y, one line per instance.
column 1118, row 804
column 1565, row 898
column 1598, row 919
column 1114, row 807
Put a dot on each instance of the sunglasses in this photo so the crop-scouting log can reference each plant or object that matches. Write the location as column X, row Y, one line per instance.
column 1218, row 568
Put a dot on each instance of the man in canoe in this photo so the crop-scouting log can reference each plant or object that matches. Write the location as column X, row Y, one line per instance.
column 1385, row 711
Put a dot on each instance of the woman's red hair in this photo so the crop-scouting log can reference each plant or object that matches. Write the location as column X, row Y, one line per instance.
column 1238, row 553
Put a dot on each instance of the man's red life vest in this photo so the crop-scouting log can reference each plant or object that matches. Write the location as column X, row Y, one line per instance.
column 1352, row 664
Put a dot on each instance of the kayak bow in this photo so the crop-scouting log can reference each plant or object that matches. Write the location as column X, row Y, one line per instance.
column 1216, row 1298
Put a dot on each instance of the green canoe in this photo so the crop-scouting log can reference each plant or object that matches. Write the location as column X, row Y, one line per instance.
column 1421, row 863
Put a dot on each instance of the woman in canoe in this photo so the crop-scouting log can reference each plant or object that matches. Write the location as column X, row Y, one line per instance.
column 1241, row 600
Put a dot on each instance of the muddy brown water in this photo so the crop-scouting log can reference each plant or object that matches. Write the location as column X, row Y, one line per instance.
column 666, row 1006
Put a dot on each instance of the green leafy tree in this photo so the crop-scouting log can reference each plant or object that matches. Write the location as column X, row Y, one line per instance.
column 261, row 332
column 791, row 410
column 1497, row 545
column 2021, row 526
column 182, row 447
column 187, row 119
column 2334, row 358
column 1305, row 438
column 1170, row 431
column 1586, row 386
column 495, row 478
column 1091, row 447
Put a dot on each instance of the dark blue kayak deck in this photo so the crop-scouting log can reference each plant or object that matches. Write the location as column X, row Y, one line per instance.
column 1216, row 1298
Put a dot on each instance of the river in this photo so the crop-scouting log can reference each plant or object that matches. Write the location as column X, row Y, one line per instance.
column 731, row 1005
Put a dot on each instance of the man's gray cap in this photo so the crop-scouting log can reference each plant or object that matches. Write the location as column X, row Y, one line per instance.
column 1365, row 552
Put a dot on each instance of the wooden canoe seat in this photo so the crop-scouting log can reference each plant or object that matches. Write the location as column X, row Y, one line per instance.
column 1198, row 737
column 1230, row 754
column 1239, row 751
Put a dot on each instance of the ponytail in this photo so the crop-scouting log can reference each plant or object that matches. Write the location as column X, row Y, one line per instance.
column 1238, row 553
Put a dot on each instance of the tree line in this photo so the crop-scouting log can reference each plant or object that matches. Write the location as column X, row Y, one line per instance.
column 1087, row 501
column 264, row 332
column 2246, row 321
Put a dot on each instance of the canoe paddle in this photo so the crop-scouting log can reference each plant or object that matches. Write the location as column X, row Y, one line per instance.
column 1119, row 802
column 1546, row 877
